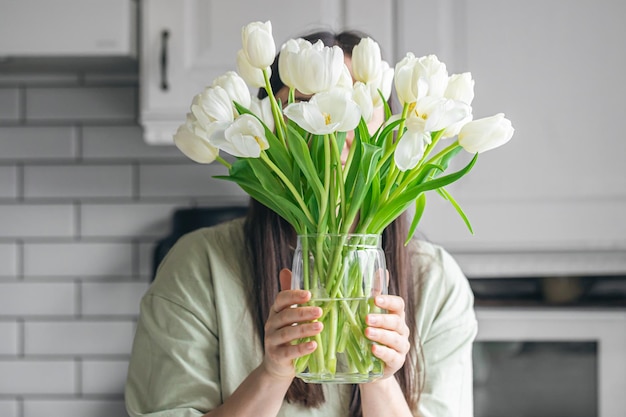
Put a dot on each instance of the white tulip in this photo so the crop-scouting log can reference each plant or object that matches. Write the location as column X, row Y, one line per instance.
column 263, row 110
column 435, row 73
column 408, row 91
column 213, row 105
column 258, row 44
column 191, row 140
column 253, row 76
column 327, row 112
column 410, row 148
column 460, row 87
column 345, row 79
column 235, row 86
column 487, row 133
column 418, row 77
column 366, row 61
column 437, row 113
column 245, row 137
column 310, row 68
column 361, row 95
column 383, row 83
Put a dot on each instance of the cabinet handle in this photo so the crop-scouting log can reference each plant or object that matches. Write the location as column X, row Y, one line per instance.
column 165, row 34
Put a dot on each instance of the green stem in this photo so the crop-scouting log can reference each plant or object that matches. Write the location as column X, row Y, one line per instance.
column 340, row 180
column 289, row 185
column 281, row 128
column 223, row 162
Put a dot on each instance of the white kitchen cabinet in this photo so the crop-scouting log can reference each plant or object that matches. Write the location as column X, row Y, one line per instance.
column 554, row 198
column 186, row 44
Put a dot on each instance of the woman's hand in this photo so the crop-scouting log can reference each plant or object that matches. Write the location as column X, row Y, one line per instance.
column 287, row 324
column 390, row 332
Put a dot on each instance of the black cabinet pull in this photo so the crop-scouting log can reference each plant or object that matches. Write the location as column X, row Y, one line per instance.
column 165, row 34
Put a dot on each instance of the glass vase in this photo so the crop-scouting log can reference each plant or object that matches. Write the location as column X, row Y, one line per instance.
column 343, row 272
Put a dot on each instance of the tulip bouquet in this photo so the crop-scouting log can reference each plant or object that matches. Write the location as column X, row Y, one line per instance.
column 292, row 156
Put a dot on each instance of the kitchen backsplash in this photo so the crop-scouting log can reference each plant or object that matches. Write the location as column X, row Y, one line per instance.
column 82, row 202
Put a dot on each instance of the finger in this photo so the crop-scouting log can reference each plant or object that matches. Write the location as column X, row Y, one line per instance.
column 291, row 316
column 286, row 335
column 391, row 357
column 285, row 279
column 392, row 303
column 389, row 338
column 389, row 322
column 290, row 352
column 287, row 298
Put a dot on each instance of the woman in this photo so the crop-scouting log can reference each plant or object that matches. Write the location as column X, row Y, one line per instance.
column 215, row 331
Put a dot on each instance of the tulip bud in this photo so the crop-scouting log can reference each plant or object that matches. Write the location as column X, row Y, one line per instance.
column 212, row 105
column 460, row 87
column 487, row 133
column 192, row 141
column 310, row 68
column 258, row 44
column 361, row 95
column 383, row 83
column 253, row 76
column 235, row 86
column 245, row 137
column 366, row 61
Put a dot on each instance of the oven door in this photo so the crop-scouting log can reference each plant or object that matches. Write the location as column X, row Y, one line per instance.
column 550, row 362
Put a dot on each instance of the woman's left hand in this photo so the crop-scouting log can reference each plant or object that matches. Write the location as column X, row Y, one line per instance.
column 390, row 332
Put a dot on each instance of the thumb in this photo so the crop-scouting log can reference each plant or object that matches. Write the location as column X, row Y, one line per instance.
column 285, row 279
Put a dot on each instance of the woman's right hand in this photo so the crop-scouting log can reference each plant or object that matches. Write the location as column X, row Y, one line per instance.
column 288, row 323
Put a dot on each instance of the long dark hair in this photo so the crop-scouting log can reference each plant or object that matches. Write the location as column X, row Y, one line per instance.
column 272, row 241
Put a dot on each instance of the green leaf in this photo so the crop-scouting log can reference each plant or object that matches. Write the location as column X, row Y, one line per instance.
column 420, row 205
column 396, row 206
column 446, row 195
column 302, row 156
column 364, row 177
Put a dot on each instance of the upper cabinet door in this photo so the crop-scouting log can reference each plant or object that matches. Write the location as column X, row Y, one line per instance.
column 188, row 43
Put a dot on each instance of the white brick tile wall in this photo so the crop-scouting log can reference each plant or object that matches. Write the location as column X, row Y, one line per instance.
column 112, row 298
column 123, row 142
column 78, row 181
column 87, row 259
column 37, row 142
column 8, row 408
column 184, row 180
column 130, row 220
column 103, row 377
column 8, row 259
column 8, row 182
column 31, row 220
column 8, row 339
column 30, row 298
column 82, row 201
column 9, row 104
column 84, row 104
column 37, row 377
column 145, row 255
column 78, row 337
column 77, row 407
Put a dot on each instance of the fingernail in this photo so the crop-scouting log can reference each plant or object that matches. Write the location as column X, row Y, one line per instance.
column 380, row 301
column 372, row 319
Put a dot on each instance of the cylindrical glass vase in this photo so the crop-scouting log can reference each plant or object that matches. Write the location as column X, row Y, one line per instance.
column 344, row 272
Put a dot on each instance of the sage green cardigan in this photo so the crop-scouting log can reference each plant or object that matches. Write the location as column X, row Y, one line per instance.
column 196, row 340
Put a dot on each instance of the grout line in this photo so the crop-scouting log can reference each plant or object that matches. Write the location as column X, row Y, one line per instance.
column 78, row 387
column 22, row 104
column 20, row 182
column 78, row 142
column 78, row 293
column 20, row 259
column 20, row 405
column 21, row 338
column 77, row 220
